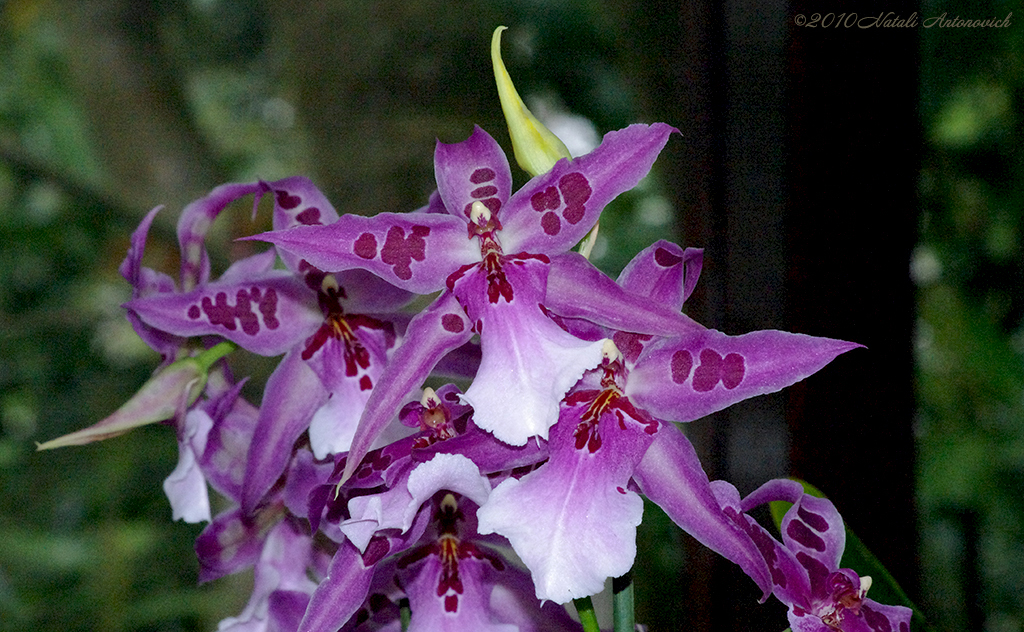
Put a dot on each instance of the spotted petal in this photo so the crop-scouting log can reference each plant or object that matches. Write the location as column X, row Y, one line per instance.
column 663, row 272
column 695, row 375
column 474, row 170
column 555, row 210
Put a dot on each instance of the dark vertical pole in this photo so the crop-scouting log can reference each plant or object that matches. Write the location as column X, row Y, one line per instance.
column 854, row 146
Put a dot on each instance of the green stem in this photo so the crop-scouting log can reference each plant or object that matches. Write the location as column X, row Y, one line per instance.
column 588, row 617
column 622, row 603
column 214, row 353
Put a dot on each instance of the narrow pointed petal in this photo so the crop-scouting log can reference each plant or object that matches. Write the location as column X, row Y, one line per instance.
column 195, row 222
column 695, row 375
column 670, row 475
column 576, row 289
column 266, row 315
column 474, row 170
column 414, row 251
column 340, row 594
column 555, row 210
column 536, row 148
column 434, row 332
column 664, row 272
column 292, row 395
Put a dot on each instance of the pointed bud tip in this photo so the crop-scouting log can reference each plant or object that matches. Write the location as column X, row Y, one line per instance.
column 535, row 147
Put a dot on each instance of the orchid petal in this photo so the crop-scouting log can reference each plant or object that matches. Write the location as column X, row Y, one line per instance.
column 663, row 272
column 695, row 375
column 414, row 251
column 293, row 393
column 474, row 170
column 576, row 289
column 671, row 476
column 298, row 202
column 431, row 334
column 266, row 315
column 195, row 221
column 185, row 487
column 555, row 210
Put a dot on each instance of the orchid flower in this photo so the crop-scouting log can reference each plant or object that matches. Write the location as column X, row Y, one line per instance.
column 614, row 435
column 805, row 572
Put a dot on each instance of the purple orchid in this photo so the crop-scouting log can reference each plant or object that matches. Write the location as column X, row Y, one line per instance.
column 614, row 437
column 335, row 329
column 805, row 572
column 490, row 252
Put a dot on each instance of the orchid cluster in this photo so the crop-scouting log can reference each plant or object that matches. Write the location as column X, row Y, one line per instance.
column 478, row 463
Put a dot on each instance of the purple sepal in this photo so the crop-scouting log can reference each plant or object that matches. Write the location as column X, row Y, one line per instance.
column 223, row 460
column 670, row 475
column 293, row 393
column 576, row 289
column 474, row 170
column 266, row 315
column 664, row 273
column 340, row 594
column 435, row 331
column 414, row 251
column 195, row 222
column 553, row 211
column 232, row 542
column 686, row 378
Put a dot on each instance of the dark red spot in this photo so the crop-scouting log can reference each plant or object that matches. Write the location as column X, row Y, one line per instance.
column 365, row 383
column 708, row 373
column 194, row 312
column 493, row 205
column 551, row 224
column 573, row 214
column 287, row 201
column 630, row 344
column 377, row 548
column 220, row 312
column 576, row 191
column 681, row 364
column 799, row 532
column 399, row 251
column 666, row 259
column 452, row 323
column 451, row 603
column 309, row 217
column 732, row 370
column 365, row 246
column 268, row 307
column 813, row 520
column 546, row 200
column 816, row 571
column 482, row 192
column 483, row 174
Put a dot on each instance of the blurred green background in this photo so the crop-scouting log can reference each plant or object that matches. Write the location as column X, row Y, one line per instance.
column 111, row 107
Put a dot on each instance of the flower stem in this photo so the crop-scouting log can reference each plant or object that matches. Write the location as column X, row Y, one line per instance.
column 588, row 617
column 622, row 603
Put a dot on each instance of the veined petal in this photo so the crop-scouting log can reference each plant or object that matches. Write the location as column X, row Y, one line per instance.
column 664, row 272
column 435, row 331
column 266, row 315
column 697, row 374
column 555, row 210
column 414, row 251
column 474, row 170
column 576, row 289
column 670, row 475
column 573, row 521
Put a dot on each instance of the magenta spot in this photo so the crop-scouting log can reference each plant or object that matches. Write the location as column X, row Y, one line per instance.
column 551, row 224
column 268, row 307
column 682, row 362
column 365, row 246
column 733, row 369
column 483, row 174
column 620, row 490
column 666, row 259
column 630, row 344
column 451, row 603
column 482, row 192
column 573, row 214
column 194, row 312
column 799, row 532
column 816, row 571
column 813, row 520
column 376, row 550
column 546, row 200
column 452, row 323
column 365, row 383
column 286, row 201
column 576, row 191
column 220, row 312
column 493, row 205
column 876, row 620
column 708, row 373
column 309, row 217
column 399, row 251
